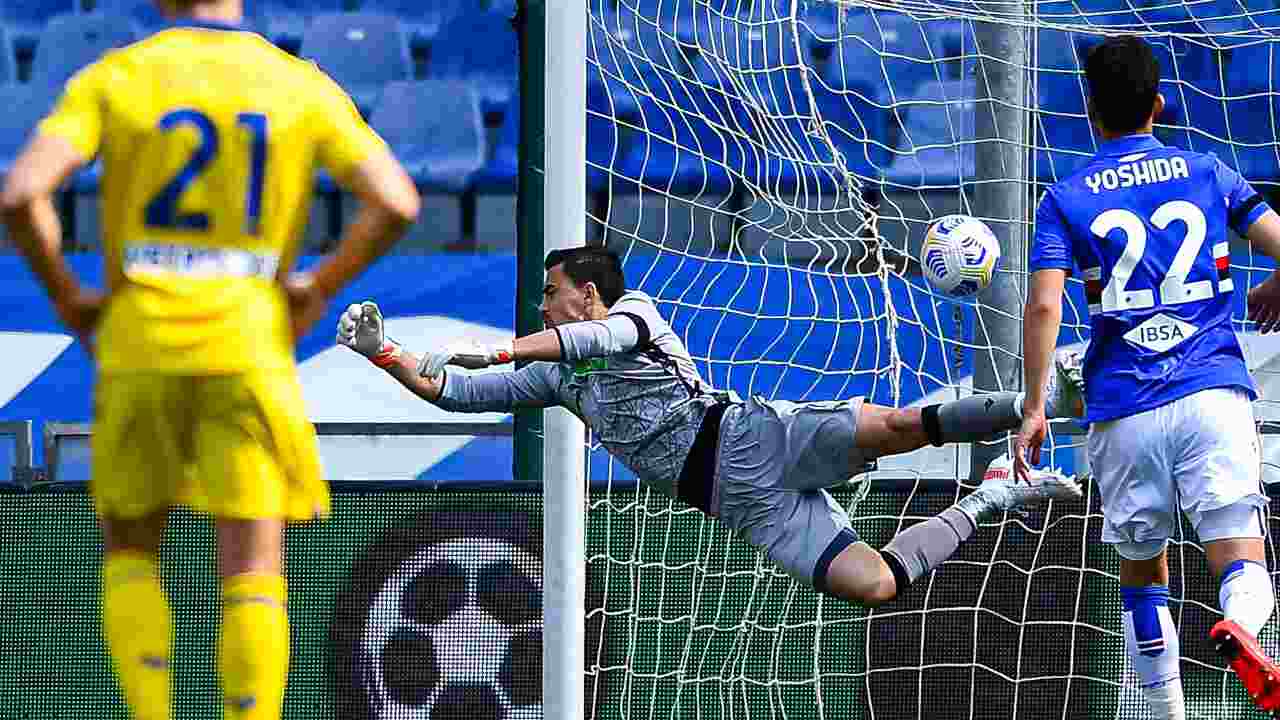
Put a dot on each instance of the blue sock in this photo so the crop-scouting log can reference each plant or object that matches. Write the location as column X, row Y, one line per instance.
column 1152, row 644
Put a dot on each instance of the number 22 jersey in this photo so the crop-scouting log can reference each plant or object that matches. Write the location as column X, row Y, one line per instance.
column 209, row 138
column 1146, row 227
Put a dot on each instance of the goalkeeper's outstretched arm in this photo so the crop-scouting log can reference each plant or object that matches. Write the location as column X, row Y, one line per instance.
column 570, row 342
column 361, row 329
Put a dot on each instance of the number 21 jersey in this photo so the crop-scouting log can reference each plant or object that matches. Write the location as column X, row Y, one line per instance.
column 209, row 138
column 1146, row 227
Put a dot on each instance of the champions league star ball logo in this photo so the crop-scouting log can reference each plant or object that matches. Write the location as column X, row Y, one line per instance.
column 443, row 621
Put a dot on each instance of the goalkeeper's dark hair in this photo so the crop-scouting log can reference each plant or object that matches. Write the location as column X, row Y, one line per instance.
column 1124, row 78
column 598, row 265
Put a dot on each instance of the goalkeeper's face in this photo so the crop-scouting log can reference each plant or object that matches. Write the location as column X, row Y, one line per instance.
column 564, row 301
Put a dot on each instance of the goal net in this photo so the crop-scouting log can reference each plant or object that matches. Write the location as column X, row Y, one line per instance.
column 768, row 169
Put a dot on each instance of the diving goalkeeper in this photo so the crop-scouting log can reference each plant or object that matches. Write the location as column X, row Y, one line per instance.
column 762, row 467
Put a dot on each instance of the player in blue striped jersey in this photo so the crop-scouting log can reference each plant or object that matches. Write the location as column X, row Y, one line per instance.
column 1166, row 387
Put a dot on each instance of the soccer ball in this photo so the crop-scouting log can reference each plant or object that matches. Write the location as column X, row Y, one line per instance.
column 960, row 255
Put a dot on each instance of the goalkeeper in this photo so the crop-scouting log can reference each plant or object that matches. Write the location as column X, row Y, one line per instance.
column 760, row 466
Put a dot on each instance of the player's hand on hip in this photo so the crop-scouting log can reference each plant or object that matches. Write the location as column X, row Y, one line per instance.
column 80, row 313
column 464, row 353
column 307, row 302
column 1264, row 304
column 361, row 328
column 1026, row 444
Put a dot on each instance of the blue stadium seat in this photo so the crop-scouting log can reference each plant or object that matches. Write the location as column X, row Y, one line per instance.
column 941, row 114
column 422, row 20
column 146, row 15
column 25, row 106
column 8, row 69
column 361, row 51
column 436, row 130
column 1253, row 108
column 610, row 116
column 500, row 173
column 482, row 48
column 896, row 54
column 1225, row 23
column 69, row 42
column 1064, row 138
column 679, row 135
column 857, row 121
column 26, row 19
column 287, row 20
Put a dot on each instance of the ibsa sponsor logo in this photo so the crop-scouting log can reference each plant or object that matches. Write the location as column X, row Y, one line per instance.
column 1160, row 333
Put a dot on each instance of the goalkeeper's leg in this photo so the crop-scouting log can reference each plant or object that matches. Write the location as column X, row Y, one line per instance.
column 136, row 619
column 889, row 431
column 862, row 575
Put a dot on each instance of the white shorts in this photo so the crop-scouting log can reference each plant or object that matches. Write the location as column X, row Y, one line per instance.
column 1198, row 454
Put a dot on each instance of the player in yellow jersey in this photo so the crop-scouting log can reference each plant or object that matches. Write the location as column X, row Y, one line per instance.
column 209, row 138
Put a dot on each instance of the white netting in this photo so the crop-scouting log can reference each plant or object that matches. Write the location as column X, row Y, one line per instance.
column 769, row 168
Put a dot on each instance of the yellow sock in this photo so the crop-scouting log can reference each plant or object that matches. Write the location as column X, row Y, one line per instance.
column 253, row 649
column 138, row 628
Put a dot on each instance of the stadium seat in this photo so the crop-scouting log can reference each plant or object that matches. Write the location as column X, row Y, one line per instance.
column 436, row 130
column 678, row 136
column 286, row 20
column 606, row 137
column 69, row 42
column 1253, row 108
column 500, row 173
column 361, row 51
column 147, row 17
column 8, row 69
column 941, row 114
column 25, row 19
column 1224, row 23
column 482, row 48
column 896, row 53
column 857, row 121
column 144, row 13
column 25, row 105
column 1064, row 138
column 422, row 20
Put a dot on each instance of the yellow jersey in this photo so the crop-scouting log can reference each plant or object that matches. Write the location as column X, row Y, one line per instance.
column 209, row 138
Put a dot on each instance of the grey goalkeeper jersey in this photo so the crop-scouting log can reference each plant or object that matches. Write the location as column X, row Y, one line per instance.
column 628, row 377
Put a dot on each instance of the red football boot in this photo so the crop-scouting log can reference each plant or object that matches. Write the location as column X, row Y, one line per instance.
column 1259, row 674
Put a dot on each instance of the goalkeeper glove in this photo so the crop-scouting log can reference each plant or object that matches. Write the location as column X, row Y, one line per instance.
column 361, row 328
column 465, row 353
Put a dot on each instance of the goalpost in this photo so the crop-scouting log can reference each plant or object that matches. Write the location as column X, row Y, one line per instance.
column 767, row 168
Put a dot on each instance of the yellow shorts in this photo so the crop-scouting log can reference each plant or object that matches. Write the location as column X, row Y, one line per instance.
column 235, row 446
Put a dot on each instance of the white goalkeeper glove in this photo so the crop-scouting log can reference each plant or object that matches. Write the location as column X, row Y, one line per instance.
column 361, row 328
column 464, row 353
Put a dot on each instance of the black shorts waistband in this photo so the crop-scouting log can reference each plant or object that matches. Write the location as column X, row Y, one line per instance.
column 698, row 474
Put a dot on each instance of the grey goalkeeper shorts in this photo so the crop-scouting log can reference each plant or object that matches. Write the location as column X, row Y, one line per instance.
column 773, row 462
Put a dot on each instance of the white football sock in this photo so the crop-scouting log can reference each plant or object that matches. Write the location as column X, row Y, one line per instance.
column 1151, row 641
column 1246, row 595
